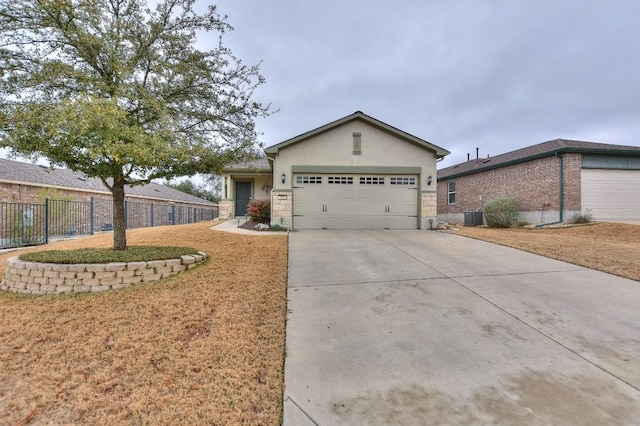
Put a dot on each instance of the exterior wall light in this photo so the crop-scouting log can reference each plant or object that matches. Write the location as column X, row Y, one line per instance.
column 429, row 180
column 283, row 177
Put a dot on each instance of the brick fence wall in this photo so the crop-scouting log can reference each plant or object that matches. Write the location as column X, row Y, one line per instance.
column 33, row 194
column 87, row 208
column 46, row 278
column 23, row 193
column 535, row 184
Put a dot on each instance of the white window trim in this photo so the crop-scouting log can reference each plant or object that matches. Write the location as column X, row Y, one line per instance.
column 449, row 192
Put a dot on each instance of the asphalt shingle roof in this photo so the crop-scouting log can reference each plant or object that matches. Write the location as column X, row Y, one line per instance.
column 17, row 171
column 258, row 165
column 540, row 150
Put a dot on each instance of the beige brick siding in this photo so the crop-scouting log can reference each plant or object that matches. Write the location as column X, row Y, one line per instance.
column 428, row 209
column 281, row 208
column 226, row 209
column 535, row 184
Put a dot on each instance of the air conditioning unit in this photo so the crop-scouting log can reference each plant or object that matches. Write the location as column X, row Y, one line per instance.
column 475, row 218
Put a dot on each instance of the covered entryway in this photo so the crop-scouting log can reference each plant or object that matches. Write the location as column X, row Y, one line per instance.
column 612, row 195
column 355, row 201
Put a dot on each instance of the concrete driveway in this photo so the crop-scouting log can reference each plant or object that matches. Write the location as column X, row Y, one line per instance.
column 419, row 327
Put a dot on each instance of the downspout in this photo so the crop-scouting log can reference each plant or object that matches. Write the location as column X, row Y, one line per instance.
column 561, row 192
column 561, row 203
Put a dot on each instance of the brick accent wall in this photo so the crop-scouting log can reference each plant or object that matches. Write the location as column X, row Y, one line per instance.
column 281, row 208
column 428, row 209
column 226, row 209
column 46, row 278
column 535, row 184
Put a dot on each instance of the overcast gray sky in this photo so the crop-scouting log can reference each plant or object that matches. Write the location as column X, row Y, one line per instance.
column 493, row 74
column 498, row 75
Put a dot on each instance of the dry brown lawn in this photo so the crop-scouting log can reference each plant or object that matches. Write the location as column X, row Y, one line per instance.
column 608, row 247
column 204, row 347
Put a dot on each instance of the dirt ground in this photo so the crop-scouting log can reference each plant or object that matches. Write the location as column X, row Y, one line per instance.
column 204, row 347
column 608, row 247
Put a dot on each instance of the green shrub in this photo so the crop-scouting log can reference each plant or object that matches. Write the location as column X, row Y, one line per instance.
column 501, row 212
column 585, row 217
column 259, row 211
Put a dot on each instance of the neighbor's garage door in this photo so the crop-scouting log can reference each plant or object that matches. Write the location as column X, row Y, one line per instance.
column 612, row 195
column 354, row 201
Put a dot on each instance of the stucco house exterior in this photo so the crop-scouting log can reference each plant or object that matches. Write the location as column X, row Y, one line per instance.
column 551, row 181
column 353, row 173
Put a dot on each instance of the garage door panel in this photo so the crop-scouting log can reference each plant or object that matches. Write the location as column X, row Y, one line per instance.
column 343, row 202
column 611, row 194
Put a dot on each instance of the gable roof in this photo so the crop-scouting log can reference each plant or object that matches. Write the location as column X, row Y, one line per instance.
column 533, row 152
column 26, row 173
column 359, row 115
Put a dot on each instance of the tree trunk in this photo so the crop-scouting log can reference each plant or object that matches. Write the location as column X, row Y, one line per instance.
column 119, row 223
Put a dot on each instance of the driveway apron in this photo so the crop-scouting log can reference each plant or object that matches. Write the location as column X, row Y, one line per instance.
column 420, row 327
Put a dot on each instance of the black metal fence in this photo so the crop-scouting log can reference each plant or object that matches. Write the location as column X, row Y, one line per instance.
column 23, row 224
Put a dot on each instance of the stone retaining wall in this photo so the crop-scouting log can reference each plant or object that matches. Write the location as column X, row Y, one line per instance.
column 46, row 278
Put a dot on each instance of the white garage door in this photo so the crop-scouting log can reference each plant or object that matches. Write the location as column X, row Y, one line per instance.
column 612, row 195
column 355, row 201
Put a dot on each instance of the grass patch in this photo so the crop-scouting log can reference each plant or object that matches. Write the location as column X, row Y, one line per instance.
column 205, row 347
column 108, row 255
column 607, row 247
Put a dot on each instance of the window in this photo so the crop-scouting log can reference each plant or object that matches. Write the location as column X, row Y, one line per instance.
column 309, row 179
column 402, row 180
column 451, row 192
column 371, row 180
column 340, row 180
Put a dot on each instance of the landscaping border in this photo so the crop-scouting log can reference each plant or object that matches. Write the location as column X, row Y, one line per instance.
column 48, row 278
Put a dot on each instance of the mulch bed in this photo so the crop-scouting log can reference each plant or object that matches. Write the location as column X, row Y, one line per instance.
column 258, row 226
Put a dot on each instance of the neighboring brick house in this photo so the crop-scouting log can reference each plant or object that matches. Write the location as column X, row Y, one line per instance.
column 551, row 181
column 28, row 183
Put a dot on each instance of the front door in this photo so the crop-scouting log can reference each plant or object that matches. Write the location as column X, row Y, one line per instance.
column 243, row 196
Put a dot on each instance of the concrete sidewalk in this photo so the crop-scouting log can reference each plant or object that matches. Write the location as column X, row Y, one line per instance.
column 418, row 327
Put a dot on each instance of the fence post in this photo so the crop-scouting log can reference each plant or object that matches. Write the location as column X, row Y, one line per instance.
column 173, row 216
column 91, row 221
column 46, row 220
column 152, row 215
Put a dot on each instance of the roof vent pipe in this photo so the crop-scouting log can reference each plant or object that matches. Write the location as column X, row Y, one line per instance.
column 468, row 156
column 477, row 154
